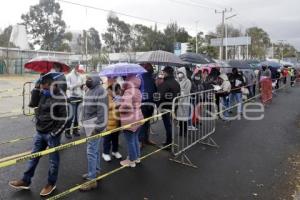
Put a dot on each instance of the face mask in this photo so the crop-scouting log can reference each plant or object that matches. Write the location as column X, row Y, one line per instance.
column 197, row 78
column 161, row 76
column 89, row 83
column 180, row 75
column 46, row 93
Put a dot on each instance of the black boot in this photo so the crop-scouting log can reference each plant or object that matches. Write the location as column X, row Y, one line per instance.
column 68, row 134
column 75, row 132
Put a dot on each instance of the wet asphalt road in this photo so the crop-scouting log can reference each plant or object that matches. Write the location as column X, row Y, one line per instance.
column 251, row 163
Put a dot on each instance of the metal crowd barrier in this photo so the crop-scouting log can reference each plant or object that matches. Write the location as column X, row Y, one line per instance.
column 193, row 122
column 27, row 87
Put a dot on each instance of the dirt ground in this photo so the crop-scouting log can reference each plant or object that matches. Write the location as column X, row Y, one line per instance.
column 11, row 93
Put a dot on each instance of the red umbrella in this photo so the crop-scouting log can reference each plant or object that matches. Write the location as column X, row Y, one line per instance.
column 44, row 64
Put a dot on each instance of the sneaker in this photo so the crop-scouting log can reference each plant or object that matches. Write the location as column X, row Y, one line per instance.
column 192, row 128
column 19, row 185
column 117, row 155
column 48, row 189
column 88, row 187
column 128, row 163
column 86, row 176
column 106, row 157
column 138, row 161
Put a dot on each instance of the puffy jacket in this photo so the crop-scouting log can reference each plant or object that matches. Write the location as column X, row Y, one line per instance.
column 95, row 104
column 74, row 83
column 50, row 112
column 130, row 106
column 183, row 109
column 167, row 91
column 226, row 86
column 113, row 114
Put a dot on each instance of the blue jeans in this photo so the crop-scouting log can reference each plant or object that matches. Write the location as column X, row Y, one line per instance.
column 168, row 126
column 225, row 102
column 237, row 98
column 133, row 145
column 93, row 157
column 73, row 114
column 40, row 143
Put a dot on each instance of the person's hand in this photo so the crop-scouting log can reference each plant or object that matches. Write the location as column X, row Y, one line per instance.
column 95, row 132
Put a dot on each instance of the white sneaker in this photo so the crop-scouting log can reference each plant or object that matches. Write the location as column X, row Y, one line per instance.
column 106, row 157
column 128, row 163
column 192, row 128
column 138, row 161
column 117, row 155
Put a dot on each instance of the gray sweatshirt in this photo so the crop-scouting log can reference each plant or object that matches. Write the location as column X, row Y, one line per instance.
column 95, row 104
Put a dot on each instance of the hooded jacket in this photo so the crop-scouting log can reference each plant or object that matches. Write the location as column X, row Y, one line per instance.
column 167, row 91
column 130, row 106
column 226, row 86
column 51, row 111
column 236, row 81
column 183, row 110
column 149, row 87
column 95, row 104
column 74, row 83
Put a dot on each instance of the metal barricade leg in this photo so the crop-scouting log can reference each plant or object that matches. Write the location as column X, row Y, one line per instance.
column 193, row 122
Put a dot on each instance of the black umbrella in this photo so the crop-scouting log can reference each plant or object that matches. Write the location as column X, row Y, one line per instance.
column 195, row 58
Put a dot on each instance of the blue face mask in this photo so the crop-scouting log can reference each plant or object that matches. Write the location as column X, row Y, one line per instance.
column 46, row 93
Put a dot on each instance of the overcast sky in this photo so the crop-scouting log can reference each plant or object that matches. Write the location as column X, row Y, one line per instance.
column 280, row 18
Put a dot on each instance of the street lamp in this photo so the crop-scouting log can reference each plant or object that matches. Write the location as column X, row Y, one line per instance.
column 282, row 43
column 226, row 35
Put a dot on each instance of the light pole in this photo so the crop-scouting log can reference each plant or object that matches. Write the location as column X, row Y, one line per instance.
column 281, row 49
column 222, row 34
column 197, row 36
column 226, row 35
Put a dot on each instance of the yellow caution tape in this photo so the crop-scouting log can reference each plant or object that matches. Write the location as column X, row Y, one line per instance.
column 102, row 176
column 72, row 144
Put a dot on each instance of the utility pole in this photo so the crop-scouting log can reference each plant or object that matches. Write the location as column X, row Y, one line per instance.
column 282, row 46
column 226, row 35
column 197, row 36
column 223, row 27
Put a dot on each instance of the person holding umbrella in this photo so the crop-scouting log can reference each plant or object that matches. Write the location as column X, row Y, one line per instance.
column 51, row 118
column 130, row 112
column 129, row 106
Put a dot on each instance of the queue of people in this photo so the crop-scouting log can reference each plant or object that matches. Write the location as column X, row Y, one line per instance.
column 121, row 103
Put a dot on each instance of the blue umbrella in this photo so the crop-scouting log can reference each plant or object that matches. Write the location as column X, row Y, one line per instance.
column 122, row 69
column 52, row 75
column 270, row 64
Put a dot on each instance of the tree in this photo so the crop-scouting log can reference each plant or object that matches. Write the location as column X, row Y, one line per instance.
column 284, row 50
column 260, row 41
column 45, row 26
column 5, row 36
column 173, row 33
column 118, row 35
column 231, row 31
column 93, row 41
column 146, row 38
